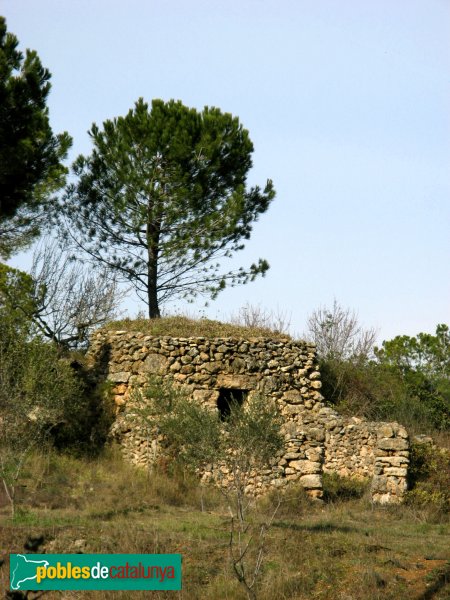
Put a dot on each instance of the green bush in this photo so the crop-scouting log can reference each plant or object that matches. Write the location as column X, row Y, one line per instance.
column 292, row 501
column 429, row 477
column 381, row 393
column 408, row 382
column 86, row 429
column 38, row 390
column 39, row 395
column 337, row 488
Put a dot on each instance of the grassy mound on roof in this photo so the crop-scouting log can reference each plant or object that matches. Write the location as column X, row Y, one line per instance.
column 180, row 326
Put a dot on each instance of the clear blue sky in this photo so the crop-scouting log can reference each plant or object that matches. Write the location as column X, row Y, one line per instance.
column 346, row 103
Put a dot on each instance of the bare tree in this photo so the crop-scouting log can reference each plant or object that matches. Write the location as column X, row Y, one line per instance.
column 72, row 298
column 254, row 315
column 338, row 335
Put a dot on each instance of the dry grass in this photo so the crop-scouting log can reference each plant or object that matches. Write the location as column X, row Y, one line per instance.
column 345, row 550
column 181, row 326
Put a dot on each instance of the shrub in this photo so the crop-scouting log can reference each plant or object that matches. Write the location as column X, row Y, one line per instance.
column 337, row 488
column 429, row 477
column 246, row 440
column 39, row 393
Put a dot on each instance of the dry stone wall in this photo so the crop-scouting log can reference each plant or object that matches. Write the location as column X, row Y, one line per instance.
column 317, row 439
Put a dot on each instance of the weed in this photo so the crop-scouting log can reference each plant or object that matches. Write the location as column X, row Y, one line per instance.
column 336, row 488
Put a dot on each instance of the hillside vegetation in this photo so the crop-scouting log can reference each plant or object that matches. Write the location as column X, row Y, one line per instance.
column 343, row 548
column 62, row 484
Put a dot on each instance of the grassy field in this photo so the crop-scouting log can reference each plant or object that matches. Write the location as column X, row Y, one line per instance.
column 341, row 549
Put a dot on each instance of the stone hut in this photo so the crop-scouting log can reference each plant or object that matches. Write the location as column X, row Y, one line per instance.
column 212, row 370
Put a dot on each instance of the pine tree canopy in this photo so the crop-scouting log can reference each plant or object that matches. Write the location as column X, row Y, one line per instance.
column 163, row 197
column 30, row 154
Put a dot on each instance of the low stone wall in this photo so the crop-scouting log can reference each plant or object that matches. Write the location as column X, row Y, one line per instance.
column 349, row 443
column 391, row 464
column 211, row 370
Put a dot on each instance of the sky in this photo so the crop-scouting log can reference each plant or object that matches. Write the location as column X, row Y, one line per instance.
column 346, row 103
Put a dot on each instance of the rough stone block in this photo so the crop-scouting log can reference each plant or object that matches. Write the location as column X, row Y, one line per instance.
column 393, row 461
column 314, row 454
column 201, row 378
column 278, row 482
column 235, row 382
column 397, row 471
column 292, row 397
column 238, row 364
column 393, row 444
column 206, row 396
column 180, row 377
column 305, row 466
column 212, row 367
column 311, row 481
column 396, row 485
column 385, row 431
column 401, row 432
column 316, row 434
column 120, row 377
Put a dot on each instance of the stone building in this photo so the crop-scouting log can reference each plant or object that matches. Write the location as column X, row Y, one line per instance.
column 212, row 370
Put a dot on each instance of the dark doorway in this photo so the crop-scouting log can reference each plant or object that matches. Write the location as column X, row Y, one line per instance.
column 227, row 398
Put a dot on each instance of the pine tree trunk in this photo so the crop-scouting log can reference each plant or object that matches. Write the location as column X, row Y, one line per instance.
column 153, row 308
column 153, row 231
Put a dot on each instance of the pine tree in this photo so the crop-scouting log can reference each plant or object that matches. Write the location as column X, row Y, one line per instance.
column 162, row 198
column 30, row 154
